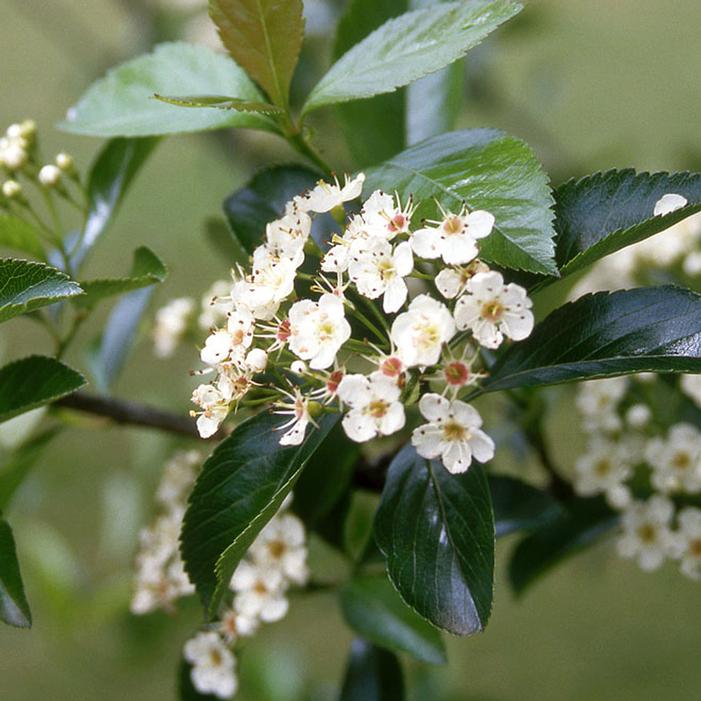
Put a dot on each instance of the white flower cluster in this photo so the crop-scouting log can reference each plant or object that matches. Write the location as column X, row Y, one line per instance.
column 680, row 244
column 391, row 308
column 624, row 444
column 276, row 560
column 160, row 576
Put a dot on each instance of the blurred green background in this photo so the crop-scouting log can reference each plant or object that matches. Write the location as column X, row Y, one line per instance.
column 591, row 85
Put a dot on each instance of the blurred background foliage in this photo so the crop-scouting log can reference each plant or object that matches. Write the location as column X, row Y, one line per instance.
column 591, row 85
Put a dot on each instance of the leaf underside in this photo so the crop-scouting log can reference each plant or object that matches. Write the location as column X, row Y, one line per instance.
column 14, row 608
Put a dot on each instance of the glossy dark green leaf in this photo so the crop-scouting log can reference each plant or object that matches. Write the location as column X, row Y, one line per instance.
column 20, row 235
column 186, row 690
column 263, row 200
column 122, row 103
column 651, row 329
column 110, row 177
column 14, row 608
column 34, row 381
column 108, row 353
column 373, row 674
column 486, row 169
column 264, row 37
column 581, row 525
column 374, row 128
column 409, row 47
column 241, row 486
column 146, row 269
column 519, row 506
column 220, row 102
column 373, row 609
column 602, row 213
column 436, row 531
column 27, row 285
column 17, row 465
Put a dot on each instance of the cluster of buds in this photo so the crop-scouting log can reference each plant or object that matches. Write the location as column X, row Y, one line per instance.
column 391, row 314
column 625, row 446
column 276, row 560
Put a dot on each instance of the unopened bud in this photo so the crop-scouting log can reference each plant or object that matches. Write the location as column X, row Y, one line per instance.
column 14, row 131
column 28, row 129
column 65, row 162
column 13, row 156
column 11, row 189
column 299, row 367
column 49, row 176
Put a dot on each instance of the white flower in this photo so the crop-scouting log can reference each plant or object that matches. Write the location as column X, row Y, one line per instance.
column 178, row 477
column 281, row 545
column 383, row 216
column 450, row 282
column 256, row 360
column 215, row 305
column 230, row 344
column 687, row 542
column 602, row 469
column 669, row 203
column 638, row 416
column 11, row 189
column 298, row 409
column 420, row 332
column 213, row 665
column 234, row 625
column 13, row 156
column 260, row 591
column 379, row 270
column 318, row 330
column 325, row 196
column 454, row 238
column 375, row 406
column 493, row 310
column 170, row 325
column 597, row 401
column 286, row 236
column 215, row 402
column 692, row 264
column 676, row 462
column 646, row 535
column 691, row 386
column 50, row 175
column 453, row 433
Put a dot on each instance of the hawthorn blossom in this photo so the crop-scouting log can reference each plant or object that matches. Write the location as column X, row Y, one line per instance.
column 452, row 433
column 234, row 625
column 676, row 461
column 598, row 400
column 384, row 216
column 318, row 330
column 691, row 386
column 327, row 196
column 420, row 332
column 286, row 236
column 213, row 665
column 171, row 324
column 686, row 544
column 259, row 591
column 230, row 344
column 214, row 401
column 281, row 545
column 646, row 532
column 492, row 310
column 603, row 469
column 215, row 305
column 298, row 408
column 454, row 238
column 379, row 271
column 374, row 404
column 451, row 282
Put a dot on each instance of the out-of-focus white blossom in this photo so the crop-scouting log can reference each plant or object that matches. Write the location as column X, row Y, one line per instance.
column 691, row 386
column 676, row 461
column 602, row 469
column 213, row 665
column 171, row 324
column 647, row 537
column 686, row 545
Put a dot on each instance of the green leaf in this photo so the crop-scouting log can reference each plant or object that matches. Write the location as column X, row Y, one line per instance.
column 437, row 532
column 264, row 37
column 18, row 464
column 263, row 200
column 14, row 608
column 34, row 381
column 19, row 235
column 110, row 177
column 519, row 506
column 373, row 128
column 602, row 213
column 147, row 269
column 28, row 285
column 373, row 609
column 373, row 674
column 122, row 103
column 486, row 169
column 409, row 47
column 581, row 525
column 221, row 102
column 240, row 488
column 652, row 329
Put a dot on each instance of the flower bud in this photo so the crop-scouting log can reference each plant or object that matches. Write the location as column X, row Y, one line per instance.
column 65, row 162
column 49, row 176
column 257, row 359
column 28, row 129
column 11, row 189
column 638, row 416
column 299, row 367
column 13, row 156
column 14, row 131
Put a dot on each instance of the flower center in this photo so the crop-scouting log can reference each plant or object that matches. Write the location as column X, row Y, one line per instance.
column 453, row 431
column 283, row 331
column 453, row 225
column 603, row 467
column 392, row 367
column 334, row 380
column 386, row 269
column 397, row 223
column 276, row 548
column 326, row 329
column 215, row 657
column 681, row 460
column 647, row 533
column 695, row 548
column 378, row 408
column 456, row 373
column 492, row 311
column 429, row 335
column 237, row 337
column 260, row 588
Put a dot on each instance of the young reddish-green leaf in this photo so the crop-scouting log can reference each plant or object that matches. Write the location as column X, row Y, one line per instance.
column 436, row 531
column 409, row 47
column 31, row 382
column 374, row 609
column 19, row 235
column 602, row 213
column 485, row 169
column 653, row 329
column 264, row 37
column 373, row 674
column 241, row 487
column 122, row 103
column 27, row 285
column 14, row 608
